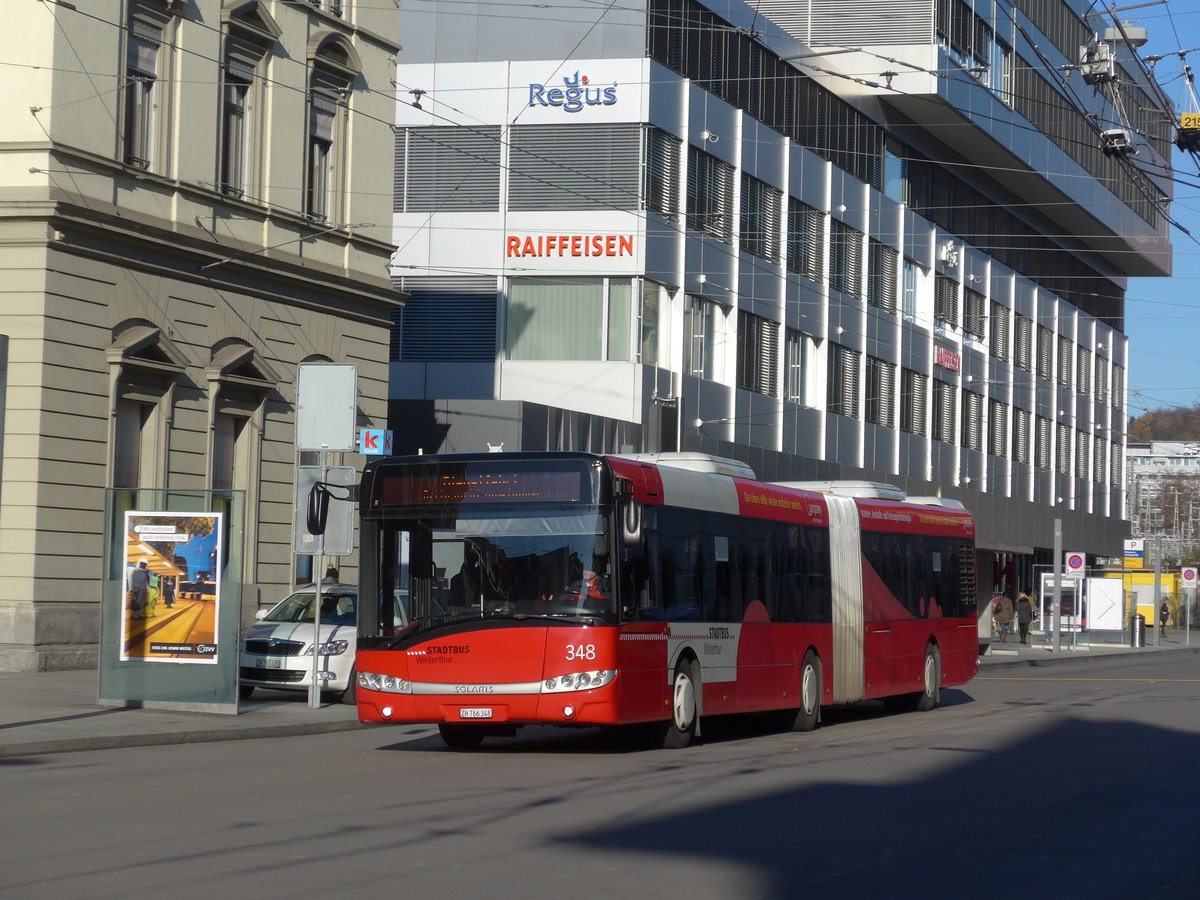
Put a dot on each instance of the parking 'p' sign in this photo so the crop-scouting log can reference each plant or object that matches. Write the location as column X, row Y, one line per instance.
column 1076, row 562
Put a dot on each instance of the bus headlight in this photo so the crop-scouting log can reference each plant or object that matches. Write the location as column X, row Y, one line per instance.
column 578, row 681
column 388, row 684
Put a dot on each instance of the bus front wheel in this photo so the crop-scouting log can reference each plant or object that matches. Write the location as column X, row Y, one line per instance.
column 809, row 714
column 930, row 694
column 685, row 709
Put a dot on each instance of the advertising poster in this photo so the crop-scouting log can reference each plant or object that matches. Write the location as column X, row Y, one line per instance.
column 172, row 588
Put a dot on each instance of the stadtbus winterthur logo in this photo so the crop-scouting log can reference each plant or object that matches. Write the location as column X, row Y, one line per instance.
column 576, row 93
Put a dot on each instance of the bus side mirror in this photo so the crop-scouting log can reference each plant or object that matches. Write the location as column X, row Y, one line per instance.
column 631, row 523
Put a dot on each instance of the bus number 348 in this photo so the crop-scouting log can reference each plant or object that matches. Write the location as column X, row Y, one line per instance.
column 581, row 651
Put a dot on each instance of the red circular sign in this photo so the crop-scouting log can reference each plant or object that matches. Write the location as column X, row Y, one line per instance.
column 1189, row 574
column 1074, row 561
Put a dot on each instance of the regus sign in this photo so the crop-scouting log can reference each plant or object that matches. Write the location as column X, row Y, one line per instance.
column 576, row 93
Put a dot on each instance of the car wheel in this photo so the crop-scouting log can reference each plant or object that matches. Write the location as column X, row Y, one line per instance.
column 245, row 690
column 349, row 696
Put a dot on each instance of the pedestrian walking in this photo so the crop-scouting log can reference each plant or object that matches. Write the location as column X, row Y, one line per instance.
column 1024, row 615
column 1164, row 613
column 1004, row 618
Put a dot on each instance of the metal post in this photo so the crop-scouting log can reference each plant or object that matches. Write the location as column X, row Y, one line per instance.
column 1157, row 588
column 1056, row 597
column 314, row 689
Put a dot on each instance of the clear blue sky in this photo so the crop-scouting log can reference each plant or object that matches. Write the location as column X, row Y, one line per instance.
column 1162, row 315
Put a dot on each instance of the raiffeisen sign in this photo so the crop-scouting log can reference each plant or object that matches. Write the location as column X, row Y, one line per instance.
column 562, row 245
column 574, row 94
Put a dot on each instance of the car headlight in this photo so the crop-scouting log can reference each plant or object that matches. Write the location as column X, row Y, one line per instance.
column 329, row 648
column 389, row 684
column 578, row 681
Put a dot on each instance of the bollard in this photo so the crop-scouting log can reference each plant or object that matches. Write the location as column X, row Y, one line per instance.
column 1137, row 630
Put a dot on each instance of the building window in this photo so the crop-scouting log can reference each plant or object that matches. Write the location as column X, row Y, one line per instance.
column 1045, row 352
column 1115, row 457
column 1063, row 455
column 1118, row 387
column 997, row 428
column 943, row 411
column 654, row 344
column 893, row 171
column 913, row 290
column 760, row 218
column 569, row 319
column 1098, row 469
column 845, row 258
column 806, row 240
column 945, row 300
column 1042, row 446
column 842, row 390
column 704, row 324
column 1066, row 357
column 974, row 304
column 141, row 90
column 1085, row 370
column 1083, row 454
column 1021, row 419
column 972, row 430
column 757, row 354
column 880, row 392
column 881, row 275
column 661, row 187
column 594, row 165
column 334, row 65
column 913, row 401
column 800, row 352
column 998, row 331
column 447, row 169
column 1101, row 379
column 1023, row 343
column 710, row 195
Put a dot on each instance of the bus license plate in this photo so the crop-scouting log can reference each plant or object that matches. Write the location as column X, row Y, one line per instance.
column 269, row 663
column 476, row 713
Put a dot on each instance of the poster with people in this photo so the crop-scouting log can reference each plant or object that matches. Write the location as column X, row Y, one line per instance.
column 172, row 587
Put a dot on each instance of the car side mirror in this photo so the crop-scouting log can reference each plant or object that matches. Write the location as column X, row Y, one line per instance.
column 260, row 614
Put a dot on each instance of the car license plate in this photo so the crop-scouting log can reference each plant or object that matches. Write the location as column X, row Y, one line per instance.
column 269, row 663
column 475, row 713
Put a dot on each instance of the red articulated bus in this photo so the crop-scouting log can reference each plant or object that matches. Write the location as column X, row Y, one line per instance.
column 507, row 589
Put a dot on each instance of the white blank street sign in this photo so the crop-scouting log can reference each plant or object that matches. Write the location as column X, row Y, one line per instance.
column 326, row 406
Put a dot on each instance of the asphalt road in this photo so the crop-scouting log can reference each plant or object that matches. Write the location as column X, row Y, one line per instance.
column 1066, row 781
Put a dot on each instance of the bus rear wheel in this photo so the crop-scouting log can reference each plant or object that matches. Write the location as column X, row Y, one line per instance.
column 930, row 694
column 685, row 708
column 460, row 737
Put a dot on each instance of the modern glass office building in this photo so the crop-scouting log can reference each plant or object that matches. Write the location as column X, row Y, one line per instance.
column 884, row 241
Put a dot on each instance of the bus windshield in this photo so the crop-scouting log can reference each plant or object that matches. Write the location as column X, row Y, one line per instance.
column 540, row 564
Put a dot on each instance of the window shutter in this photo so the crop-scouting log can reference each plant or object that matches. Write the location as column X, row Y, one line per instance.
column 450, row 168
column 567, row 167
column 998, row 429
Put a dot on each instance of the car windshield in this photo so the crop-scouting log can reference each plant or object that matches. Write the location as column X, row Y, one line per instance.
column 337, row 607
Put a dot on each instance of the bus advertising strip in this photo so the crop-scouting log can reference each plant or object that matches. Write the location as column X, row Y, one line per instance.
column 584, row 590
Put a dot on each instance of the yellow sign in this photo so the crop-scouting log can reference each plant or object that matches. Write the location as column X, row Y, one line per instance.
column 1189, row 120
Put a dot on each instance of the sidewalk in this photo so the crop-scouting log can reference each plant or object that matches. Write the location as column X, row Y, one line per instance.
column 57, row 712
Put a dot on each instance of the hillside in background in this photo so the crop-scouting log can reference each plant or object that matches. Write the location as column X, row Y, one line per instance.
column 1180, row 423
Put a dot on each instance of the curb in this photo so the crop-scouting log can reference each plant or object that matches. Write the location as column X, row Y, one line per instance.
column 200, row 736
column 1068, row 657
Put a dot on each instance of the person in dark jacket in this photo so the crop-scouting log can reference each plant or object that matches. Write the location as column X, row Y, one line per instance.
column 1024, row 615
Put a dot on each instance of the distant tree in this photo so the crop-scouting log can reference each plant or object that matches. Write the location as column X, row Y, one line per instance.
column 1180, row 423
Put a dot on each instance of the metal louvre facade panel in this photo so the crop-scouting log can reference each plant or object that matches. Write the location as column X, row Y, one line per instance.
column 661, row 191
column 450, row 168
column 447, row 319
column 806, row 240
column 566, row 167
column 862, row 23
column 845, row 563
column 757, row 354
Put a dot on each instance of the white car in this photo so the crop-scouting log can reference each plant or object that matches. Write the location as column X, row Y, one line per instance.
column 276, row 652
